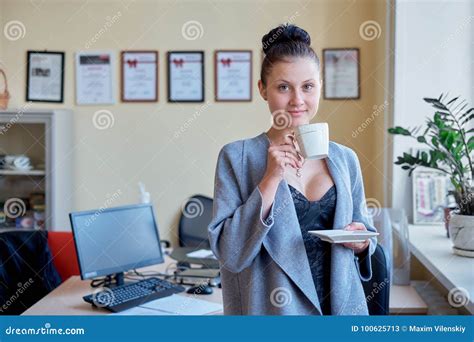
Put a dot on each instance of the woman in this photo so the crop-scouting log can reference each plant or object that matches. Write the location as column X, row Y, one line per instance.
column 266, row 199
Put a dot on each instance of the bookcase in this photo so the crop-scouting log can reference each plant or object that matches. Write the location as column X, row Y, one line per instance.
column 46, row 138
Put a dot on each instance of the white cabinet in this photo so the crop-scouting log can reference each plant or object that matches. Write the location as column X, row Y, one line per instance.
column 46, row 137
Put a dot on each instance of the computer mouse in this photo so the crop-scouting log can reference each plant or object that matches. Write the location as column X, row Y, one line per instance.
column 200, row 290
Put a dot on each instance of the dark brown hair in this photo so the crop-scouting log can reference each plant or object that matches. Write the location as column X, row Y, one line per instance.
column 284, row 42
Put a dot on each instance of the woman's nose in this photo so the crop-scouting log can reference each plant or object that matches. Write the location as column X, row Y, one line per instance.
column 297, row 99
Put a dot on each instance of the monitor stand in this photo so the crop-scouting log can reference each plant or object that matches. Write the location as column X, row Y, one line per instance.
column 117, row 279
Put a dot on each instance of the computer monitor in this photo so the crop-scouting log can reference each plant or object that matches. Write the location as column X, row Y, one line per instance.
column 115, row 240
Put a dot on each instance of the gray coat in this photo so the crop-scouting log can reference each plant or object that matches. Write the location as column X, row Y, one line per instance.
column 264, row 266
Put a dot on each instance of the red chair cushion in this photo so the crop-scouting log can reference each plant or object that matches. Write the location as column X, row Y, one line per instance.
column 64, row 254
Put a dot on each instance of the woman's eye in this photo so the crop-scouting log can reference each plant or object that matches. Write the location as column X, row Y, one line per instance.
column 283, row 87
column 308, row 86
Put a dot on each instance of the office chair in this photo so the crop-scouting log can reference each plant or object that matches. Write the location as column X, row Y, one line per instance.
column 25, row 263
column 377, row 289
column 196, row 215
column 63, row 250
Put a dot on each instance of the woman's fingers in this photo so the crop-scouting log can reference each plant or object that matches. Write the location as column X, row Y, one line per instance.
column 355, row 226
column 289, row 151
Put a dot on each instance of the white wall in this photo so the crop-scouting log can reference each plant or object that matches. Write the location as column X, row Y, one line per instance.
column 434, row 54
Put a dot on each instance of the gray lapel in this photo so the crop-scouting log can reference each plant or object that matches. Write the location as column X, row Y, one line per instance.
column 285, row 245
column 341, row 257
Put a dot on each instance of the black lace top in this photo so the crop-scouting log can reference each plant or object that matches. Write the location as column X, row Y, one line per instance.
column 317, row 215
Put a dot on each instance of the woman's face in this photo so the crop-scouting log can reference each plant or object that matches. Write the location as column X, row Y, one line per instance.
column 293, row 87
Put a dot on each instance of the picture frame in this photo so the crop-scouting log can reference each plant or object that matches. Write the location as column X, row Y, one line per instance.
column 95, row 77
column 185, row 76
column 430, row 190
column 45, row 76
column 233, row 75
column 341, row 74
column 139, row 75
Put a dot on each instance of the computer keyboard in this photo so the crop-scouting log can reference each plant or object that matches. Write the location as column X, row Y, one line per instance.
column 127, row 296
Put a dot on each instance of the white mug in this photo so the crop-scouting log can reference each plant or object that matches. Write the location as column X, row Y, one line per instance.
column 313, row 140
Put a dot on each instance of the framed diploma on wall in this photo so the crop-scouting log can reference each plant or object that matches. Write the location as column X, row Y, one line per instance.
column 430, row 196
column 233, row 75
column 341, row 74
column 45, row 76
column 139, row 76
column 94, row 78
column 185, row 76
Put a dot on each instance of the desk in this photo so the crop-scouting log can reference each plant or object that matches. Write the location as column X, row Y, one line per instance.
column 433, row 249
column 67, row 298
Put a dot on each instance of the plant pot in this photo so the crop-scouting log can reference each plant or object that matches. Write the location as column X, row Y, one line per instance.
column 461, row 231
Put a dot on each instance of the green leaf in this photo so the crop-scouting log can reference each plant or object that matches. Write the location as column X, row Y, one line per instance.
column 470, row 144
column 466, row 120
column 421, row 139
column 424, row 157
column 447, row 104
column 399, row 130
column 439, row 105
column 466, row 113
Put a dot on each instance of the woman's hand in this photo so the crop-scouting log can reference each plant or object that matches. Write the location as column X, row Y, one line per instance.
column 357, row 247
column 280, row 156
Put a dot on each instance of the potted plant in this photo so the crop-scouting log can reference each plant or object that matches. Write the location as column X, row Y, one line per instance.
column 449, row 137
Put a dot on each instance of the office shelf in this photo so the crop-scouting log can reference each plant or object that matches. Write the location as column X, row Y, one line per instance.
column 46, row 137
column 22, row 173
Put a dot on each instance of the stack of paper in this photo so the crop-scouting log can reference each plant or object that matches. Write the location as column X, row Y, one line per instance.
column 175, row 305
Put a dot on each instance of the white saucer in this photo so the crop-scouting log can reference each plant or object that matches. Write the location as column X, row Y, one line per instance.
column 342, row 236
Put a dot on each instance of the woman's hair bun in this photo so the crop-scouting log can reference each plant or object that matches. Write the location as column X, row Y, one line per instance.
column 285, row 34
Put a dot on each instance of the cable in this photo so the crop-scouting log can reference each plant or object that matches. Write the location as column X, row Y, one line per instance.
column 101, row 282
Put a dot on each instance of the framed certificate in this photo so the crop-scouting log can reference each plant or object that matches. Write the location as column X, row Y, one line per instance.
column 341, row 74
column 94, row 78
column 233, row 75
column 45, row 76
column 430, row 191
column 139, row 76
column 186, row 76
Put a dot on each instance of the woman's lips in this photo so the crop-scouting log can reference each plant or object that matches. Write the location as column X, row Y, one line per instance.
column 296, row 112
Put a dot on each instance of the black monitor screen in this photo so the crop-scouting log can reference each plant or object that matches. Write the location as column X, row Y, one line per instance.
column 116, row 240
